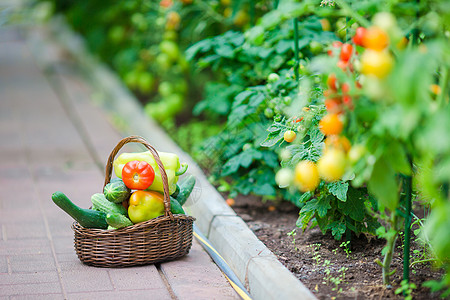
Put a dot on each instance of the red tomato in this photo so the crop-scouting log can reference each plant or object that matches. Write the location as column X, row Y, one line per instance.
column 359, row 36
column 332, row 82
column 346, row 52
column 345, row 88
column 138, row 175
column 333, row 105
column 347, row 100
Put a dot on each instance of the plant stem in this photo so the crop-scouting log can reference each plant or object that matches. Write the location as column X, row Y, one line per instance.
column 422, row 261
column 296, row 49
column 443, row 82
column 348, row 11
column 390, row 245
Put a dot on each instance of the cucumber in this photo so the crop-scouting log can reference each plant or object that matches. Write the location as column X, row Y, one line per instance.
column 116, row 191
column 87, row 218
column 186, row 187
column 118, row 220
column 99, row 202
column 177, row 191
column 175, row 207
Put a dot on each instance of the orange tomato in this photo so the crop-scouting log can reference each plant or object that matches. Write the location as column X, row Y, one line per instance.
column 331, row 124
column 375, row 39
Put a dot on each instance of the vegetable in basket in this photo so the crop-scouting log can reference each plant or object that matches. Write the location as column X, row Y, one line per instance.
column 138, row 175
column 87, row 218
column 145, row 205
column 116, row 191
column 170, row 161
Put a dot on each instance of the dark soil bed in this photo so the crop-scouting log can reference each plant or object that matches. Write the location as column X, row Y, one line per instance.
column 312, row 256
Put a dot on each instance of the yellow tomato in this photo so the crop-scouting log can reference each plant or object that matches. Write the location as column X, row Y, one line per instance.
column 306, row 176
column 331, row 165
column 376, row 63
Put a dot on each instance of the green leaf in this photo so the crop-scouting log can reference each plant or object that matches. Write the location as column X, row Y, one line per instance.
column 283, row 46
column 383, row 184
column 338, row 189
column 225, row 50
column 323, row 223
column 202, row 46
column 243, row 159
column 265, row 189
column 304, row 219
column 305, row 197
column 320, row 205
column 354, row 207
column 241, row 97
column 337, row 229
column 272, row 139
column 397, row 157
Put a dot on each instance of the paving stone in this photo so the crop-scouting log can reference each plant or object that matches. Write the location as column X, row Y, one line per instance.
column 30, row 288
column 26, row 229
column 38, row 297
column 32, row 263
column 87, row 279
column 145, row 277
column 3, row 264
column 23, row 247
column 28, row 278
column 159, row 293
column 195, row 277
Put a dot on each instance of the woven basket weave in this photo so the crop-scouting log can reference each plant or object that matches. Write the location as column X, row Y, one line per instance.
column 157, row 240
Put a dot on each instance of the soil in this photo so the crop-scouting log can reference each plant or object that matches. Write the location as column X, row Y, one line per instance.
column 306, row 255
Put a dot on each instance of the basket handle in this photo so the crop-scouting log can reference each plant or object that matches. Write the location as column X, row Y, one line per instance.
column 141, row 140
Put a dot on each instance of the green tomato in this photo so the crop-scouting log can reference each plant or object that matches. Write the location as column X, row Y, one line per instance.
column 315, row 47
column 146, row 82
column 131, row 79
column 171, row 49
column 165, row 89
column 116, row 34
column 163, row 61
column 284, row 177
column 170, row 35
column 287, row 100
column 268, row 112
column 273, row 77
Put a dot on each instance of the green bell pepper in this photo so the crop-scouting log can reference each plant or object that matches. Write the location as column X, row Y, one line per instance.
column 170, row 161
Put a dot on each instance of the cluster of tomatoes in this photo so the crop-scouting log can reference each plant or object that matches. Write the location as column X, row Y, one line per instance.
column 375, row 62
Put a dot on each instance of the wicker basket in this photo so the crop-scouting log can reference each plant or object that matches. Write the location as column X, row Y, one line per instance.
column 157, row 240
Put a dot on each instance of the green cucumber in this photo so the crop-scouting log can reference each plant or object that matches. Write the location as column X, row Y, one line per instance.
column 99, row 202
column 186, row 187
column 118, row 220
column 175, row 207
column 177, row 191
column 87, row 218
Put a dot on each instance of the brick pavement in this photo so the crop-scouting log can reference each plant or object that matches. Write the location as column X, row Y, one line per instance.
column 53, row 138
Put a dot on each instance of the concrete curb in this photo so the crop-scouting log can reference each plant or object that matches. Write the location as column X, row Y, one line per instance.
column 255, row 265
